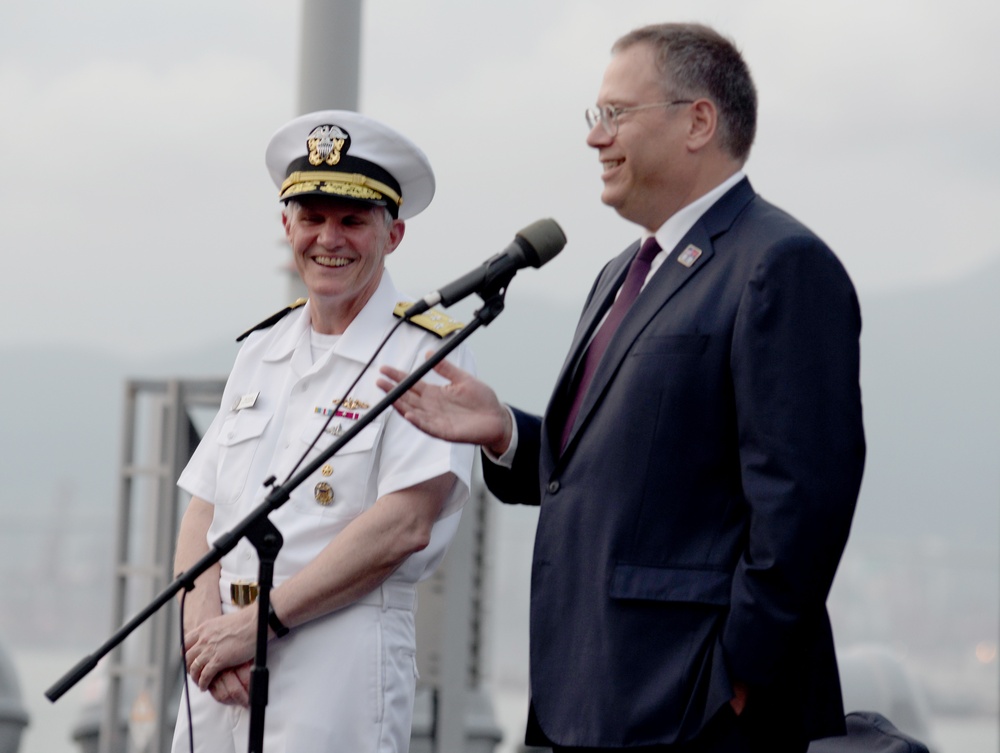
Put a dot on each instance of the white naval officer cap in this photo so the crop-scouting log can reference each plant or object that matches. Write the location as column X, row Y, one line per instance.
column 347, row 155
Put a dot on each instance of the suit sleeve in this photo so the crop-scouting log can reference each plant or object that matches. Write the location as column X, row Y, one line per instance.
column 520, row 483
column 795, row 369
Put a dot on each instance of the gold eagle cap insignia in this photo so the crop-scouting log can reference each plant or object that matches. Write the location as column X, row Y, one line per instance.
column 325, row 144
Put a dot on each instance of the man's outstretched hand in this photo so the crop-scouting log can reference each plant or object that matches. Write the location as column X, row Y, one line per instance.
column 464, row 410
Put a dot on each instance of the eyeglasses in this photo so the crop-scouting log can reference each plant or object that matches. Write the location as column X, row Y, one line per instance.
column 607, row 115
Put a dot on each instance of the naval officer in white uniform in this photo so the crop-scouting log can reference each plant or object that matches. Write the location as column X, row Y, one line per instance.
column 374, row 520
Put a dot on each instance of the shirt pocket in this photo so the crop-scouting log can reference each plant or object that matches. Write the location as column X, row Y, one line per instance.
column 344, row 486
column 238, row 440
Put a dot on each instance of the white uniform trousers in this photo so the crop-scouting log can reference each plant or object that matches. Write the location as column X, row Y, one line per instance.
column 343, row 682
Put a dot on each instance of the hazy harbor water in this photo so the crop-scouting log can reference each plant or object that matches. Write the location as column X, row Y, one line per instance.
column 51, row 725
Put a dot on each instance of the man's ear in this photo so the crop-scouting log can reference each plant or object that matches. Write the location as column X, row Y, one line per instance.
column 396, row 232
column 703, row 124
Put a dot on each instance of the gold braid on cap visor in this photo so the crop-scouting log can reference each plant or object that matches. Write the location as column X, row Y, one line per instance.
column 352, row 185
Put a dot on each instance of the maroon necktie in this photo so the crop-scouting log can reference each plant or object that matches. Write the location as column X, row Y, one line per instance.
column 637, row 272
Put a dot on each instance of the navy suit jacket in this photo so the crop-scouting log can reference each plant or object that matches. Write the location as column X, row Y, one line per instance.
column 690, row 531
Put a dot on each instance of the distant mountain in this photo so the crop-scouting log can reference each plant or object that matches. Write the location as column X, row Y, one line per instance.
column 62, row 412
column 62, row 437
column 931, row 381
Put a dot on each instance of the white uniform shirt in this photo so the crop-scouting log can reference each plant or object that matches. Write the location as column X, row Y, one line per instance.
column 243, row 447
column 344, row 681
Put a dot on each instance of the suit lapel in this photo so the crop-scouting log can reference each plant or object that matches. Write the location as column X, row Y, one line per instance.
column 694, row 251
column 662, row 286
column 600, row 299
column 604, row 295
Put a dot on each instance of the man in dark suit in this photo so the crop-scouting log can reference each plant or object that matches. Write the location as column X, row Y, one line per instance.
column 699, row 461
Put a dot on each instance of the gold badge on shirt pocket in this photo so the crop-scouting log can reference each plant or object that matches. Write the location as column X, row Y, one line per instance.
column 323, row 493
column 338, row 488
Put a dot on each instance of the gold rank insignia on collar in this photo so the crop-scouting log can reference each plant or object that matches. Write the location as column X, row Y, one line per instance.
column 273, row 319
column 433, row 321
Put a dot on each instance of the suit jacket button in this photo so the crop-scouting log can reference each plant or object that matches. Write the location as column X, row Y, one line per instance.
column 553, row 487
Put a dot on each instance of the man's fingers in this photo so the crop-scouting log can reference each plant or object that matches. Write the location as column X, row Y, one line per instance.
column 203, row 672
column 243, row 675
column 204, row 680
column 228, row 688
column 448, row 370
column 393, row 373
column 445, row 368
column 196, row 665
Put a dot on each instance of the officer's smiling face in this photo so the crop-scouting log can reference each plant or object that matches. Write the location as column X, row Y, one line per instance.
column 339, row 248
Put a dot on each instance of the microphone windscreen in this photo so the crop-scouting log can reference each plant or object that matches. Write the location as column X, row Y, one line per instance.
column 545, row 239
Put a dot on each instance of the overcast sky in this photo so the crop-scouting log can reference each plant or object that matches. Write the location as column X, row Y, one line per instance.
column 136, row 214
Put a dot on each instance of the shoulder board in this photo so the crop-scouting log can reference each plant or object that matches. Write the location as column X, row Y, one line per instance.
column 273, row 319
column 433, row 321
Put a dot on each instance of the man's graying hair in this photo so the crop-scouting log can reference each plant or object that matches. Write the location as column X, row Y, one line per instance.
column 697, row 61
column 292, row 207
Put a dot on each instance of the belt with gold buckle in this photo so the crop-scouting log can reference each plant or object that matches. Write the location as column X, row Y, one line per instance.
column 243, row 594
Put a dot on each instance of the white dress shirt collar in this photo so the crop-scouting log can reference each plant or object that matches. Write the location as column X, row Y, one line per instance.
column 675, row 228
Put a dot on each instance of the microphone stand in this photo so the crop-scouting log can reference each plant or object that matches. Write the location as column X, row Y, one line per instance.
column 263, row 534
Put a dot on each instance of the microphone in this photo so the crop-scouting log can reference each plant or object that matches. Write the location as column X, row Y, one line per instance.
column 533, row 246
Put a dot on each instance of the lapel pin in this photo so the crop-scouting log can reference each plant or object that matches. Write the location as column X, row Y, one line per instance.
column 689, row 255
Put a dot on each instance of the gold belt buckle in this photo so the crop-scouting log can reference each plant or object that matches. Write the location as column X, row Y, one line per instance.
column 243, row 594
